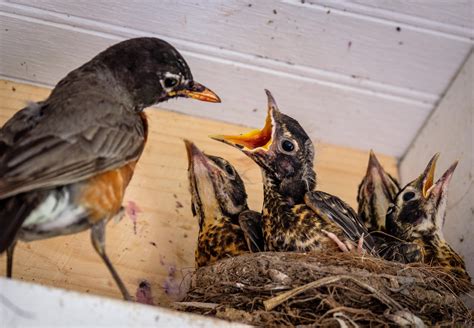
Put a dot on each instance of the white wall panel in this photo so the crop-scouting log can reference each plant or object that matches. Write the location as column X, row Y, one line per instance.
column 331, row 114
column 298, row 34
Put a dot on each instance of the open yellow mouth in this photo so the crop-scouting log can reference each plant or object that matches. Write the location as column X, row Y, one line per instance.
column 255, row 139
column 428, row 175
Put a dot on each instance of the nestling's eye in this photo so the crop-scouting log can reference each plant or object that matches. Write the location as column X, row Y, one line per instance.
column 408, row 195
column 229, row 169
column 287, row 146
column 170, row 82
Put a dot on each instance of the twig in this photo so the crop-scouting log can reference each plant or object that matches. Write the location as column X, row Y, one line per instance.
column 199, row 305
column 279, row 299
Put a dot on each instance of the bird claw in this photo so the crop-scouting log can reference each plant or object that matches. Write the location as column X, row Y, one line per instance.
column 333, row 237
column 347, row 246
column 360, row 245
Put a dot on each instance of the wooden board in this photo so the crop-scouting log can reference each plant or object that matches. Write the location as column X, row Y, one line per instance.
column 161, row 244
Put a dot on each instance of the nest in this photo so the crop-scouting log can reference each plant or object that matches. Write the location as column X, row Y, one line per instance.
column 274, row 289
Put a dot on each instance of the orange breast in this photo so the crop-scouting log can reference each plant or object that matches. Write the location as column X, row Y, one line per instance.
column 102, row 195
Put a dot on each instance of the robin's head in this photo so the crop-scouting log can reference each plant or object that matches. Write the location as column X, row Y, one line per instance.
column 216, row 188
column 419, row 208
column 376, row 192
column 282, row 149
column 152, row 71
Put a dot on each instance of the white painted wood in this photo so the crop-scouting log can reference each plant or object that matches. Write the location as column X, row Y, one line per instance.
column 31, row 305
column 299, row 34
column 451, row 16
column 343, row 116
column 450, row 131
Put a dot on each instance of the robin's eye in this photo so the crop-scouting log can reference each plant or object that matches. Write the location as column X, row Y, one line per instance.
column 229, row 169
column 170, row 82
column 408, row 195
column 287, row 146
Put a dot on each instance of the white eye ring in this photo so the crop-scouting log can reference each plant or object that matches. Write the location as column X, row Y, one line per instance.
column 170, row 81
column 288, row 146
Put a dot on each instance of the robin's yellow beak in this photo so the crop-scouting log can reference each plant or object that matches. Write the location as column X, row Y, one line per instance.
column 197, row 91
column 255, row 139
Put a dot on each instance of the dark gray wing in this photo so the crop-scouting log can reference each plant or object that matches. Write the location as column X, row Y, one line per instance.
column 332, row 208
column 394, row 249
column 14, row 211
column 42, row 147
column 251, row 224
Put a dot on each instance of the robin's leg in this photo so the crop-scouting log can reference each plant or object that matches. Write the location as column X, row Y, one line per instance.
column 98, row 240
column 10, row 250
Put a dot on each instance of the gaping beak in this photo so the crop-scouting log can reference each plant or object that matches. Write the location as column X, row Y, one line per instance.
column 375, row 169
column 201, row 179
column 194, row 154
column 255, row 139
column 374, row 164
column 197, row 91
column 426, row 179
column 441, row 186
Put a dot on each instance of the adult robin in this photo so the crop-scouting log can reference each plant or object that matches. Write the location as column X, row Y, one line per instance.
column 65, row 162
column 227, row 227
column 295, row 216
column 417, row 216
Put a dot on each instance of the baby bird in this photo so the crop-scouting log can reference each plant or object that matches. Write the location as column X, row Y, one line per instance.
column 417, row 216
column 295, row 216
column 376, row 192
column 226, row 225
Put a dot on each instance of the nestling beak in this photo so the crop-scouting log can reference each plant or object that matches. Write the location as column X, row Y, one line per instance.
column 426, row 179
column 197, row 91
column 441, row 186
column 256, row 139
column 194, row 154
column 201, row 176
column 375, row 169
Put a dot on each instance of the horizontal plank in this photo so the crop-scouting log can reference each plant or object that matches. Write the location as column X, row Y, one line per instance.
column 343, row 116
column 445, row 16
column 298, row 34
column 166, row 231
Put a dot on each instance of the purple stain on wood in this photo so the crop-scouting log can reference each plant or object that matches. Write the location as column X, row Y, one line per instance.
column 172, row 271
column 132, row 211
column 167, row 287
column 143, row 294
column 171, row 286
